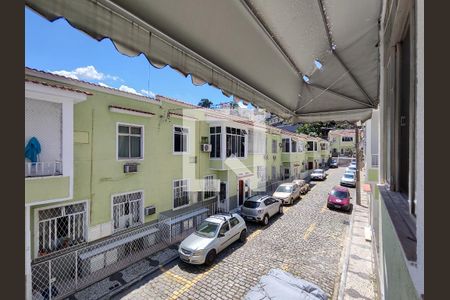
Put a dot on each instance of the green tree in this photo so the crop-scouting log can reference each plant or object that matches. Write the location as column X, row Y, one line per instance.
column 205, row 103
column 314, row 129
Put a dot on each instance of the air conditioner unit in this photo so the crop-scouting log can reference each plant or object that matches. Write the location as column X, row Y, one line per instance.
column 130, row 168
column 206, row 147
column 149, row 210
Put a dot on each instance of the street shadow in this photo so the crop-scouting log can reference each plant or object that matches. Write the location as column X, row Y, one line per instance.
column 349, row 212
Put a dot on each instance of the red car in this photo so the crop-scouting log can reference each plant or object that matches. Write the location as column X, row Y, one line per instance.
column 339, row 197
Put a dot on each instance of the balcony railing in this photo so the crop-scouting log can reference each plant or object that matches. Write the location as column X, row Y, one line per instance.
column 43, row 168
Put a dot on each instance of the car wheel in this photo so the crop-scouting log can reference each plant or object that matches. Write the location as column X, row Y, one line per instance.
column 266, row 220
column 210, row 257
column 243, row 236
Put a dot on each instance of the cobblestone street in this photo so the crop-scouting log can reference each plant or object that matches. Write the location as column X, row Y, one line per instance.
column 307, row 241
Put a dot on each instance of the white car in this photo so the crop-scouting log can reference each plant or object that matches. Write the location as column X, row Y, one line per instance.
column 213, row 235
column 260, row 208
column 350, row 169
column 348, row 179
column 318, row 174
column 287, row 193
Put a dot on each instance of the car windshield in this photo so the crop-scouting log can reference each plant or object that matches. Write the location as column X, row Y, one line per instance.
column 207, row 229
column 339, row 194
column 349, row 176
column 318, row 171
column 284, row 189
column 251, row 204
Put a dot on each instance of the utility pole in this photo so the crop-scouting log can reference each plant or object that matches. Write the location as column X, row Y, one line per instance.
column 358, row 166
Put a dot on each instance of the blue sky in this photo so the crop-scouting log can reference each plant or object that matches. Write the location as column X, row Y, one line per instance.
column 58, row 47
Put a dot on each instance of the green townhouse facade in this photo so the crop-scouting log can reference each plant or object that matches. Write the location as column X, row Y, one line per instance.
column 342, row 142
column 112, row 160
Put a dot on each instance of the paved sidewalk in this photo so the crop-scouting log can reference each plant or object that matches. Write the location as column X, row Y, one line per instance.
column 119, row 281
column 358, row 277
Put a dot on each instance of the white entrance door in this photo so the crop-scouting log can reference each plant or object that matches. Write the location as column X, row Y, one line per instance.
column 223, row 196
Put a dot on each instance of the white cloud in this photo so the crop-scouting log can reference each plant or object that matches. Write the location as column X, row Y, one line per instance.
column 148, row 93
column 88, row 72
column 65, row 74
column 128, row 89
column 103, row 84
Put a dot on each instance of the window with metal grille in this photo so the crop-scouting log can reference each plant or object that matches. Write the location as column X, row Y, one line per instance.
column 180, row 193
column 127, row 210
column 209, row 188
column 180, row 139
column 235, row 142
column 214, row 135
column 274, row 172
column 130, row 141
column 285, row 143
column 294, row 146
column 61, row 227
column 274, row 146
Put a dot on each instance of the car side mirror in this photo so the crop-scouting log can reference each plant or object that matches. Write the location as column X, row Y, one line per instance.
column 221, row 234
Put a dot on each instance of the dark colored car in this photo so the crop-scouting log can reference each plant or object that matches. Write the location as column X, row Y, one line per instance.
column 334, row 163
column 339, row 197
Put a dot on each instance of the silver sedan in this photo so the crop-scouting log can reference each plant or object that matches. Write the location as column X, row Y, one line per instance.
column 212, row 236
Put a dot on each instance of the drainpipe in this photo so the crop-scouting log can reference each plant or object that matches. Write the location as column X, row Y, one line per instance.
column 28, row 293
column 358, row 166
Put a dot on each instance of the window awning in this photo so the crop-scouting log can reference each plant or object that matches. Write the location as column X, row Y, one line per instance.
column 302, row 60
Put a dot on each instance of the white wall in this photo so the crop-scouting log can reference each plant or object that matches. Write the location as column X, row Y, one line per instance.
column 43, row 120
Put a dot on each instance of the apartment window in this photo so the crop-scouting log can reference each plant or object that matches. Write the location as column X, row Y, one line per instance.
column 285, row 143
column 130, row 141
column 310, row 146
column 347, row 139
column 301, row 147
column 257, row 142
column 214, row 136
column 61, row 227
column 235, row 142
column 294, row 146
column 274, row 146
column 127, row 210
column 180, row 139
column 274, row 172
column 180, row 193
column 209, row 188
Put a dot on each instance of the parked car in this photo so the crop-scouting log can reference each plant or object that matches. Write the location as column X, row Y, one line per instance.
column 353, row 164
column 348, row 179
column 287, row 193
column 351, row 169
column 303, row 185
column 334, row 163
column 318, row 174
column 260, row 208
column 212, row 236
column 339, row 197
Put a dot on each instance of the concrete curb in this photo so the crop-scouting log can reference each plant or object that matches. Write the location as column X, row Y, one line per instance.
column 137, row 279
column 346, row 258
